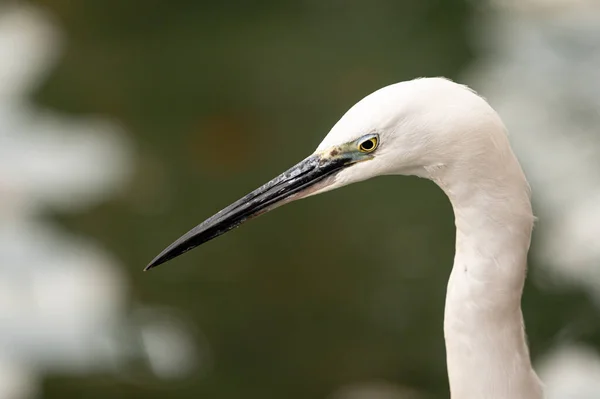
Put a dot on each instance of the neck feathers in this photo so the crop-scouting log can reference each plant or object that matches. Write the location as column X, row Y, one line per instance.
column 486, row 348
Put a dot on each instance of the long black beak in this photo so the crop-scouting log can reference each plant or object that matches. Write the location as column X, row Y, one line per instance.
column 284, row 188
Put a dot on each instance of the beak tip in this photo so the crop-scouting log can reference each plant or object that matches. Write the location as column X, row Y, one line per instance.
column 155, row 262
column 179, row 247
column 150, row 266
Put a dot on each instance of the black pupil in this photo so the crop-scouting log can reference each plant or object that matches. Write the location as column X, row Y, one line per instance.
column 368, row 145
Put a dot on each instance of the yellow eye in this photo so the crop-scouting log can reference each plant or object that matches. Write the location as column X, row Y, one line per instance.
column 369, row 145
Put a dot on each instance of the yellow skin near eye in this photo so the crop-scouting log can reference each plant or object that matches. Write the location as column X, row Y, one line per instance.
column 371, row 145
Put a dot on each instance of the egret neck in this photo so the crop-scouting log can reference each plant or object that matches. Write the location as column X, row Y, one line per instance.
column 494, row 221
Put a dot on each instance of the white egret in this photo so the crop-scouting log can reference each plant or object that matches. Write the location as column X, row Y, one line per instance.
column 442, row 131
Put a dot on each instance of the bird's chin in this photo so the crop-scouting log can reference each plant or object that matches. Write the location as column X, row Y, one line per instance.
column 352, row 174
column 327, row 184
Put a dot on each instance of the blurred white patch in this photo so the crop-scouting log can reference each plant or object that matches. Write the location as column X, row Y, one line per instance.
column 537, row 6
column 172, row 352
column 571, row 372
column 42, row 159
column 63, row 299
column 29, row 45
column 17, row 382
column 47, row 159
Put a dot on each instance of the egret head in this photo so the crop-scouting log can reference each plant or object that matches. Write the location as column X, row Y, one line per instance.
column 412, row 128
column 421, row 126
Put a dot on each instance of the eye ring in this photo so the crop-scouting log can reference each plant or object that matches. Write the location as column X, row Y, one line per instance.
column 369, row 145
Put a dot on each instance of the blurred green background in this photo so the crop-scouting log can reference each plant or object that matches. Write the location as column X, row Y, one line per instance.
column 219, row 97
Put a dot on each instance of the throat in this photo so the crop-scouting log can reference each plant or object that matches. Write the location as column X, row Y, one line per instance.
column 486, row 348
